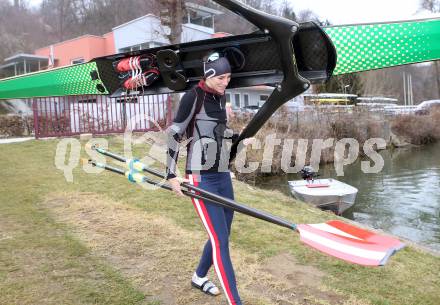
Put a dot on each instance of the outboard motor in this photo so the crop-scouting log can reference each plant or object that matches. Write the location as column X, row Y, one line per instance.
column 308, row 173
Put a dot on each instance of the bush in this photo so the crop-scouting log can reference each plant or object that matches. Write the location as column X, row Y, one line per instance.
column 418, row 129
column 53, row 126
column 15, row 125
column 316, row 123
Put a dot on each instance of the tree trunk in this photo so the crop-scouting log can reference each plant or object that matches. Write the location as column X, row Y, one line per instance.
column 171, row 16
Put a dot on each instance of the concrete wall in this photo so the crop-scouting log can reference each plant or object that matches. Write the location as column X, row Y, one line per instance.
column 109, row 44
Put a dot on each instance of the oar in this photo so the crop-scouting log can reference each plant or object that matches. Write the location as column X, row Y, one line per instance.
column 335, row 238
column 239, row 207
column 139, row 178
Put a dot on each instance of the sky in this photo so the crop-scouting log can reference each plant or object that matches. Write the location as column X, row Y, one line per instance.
column 352, row 11
column 360, row 11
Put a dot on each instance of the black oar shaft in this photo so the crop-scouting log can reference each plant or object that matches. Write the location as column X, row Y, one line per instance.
column 147, row 180
column 108, row 167
column 239, row 207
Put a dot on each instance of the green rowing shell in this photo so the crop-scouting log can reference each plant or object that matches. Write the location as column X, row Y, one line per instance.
column 359, row 48
column 382, row 45
column 71, row 80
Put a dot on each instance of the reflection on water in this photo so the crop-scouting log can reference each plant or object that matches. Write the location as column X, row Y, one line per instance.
column 403, row 199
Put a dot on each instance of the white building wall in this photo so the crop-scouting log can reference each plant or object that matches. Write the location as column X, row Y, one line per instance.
column 148, row 29
column 142, row 30
column 254, row 96
column 192, row 32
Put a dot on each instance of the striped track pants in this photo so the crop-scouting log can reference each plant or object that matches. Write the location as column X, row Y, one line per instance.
column 217, row 221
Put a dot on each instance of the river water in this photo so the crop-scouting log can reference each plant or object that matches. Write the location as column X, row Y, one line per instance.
column 402, row 199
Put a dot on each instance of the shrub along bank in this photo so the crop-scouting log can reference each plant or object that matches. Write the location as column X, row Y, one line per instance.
column 296, row 134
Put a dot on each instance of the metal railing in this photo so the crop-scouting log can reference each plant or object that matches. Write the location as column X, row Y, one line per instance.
column 98, row 114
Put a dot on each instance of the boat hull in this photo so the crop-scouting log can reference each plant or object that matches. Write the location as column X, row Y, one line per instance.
column 326, row 194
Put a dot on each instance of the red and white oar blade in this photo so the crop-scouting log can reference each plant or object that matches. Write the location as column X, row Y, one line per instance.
column 365, row 234
column 349, row 243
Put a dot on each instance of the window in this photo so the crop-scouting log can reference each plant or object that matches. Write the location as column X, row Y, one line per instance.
column 155, row 44
column 90, row 100
column 132, row 100
column 228, row 98
column 77, row 61
column 246, row 100
column 199, row 18
column 142, row 46
column 263, row 98
column 237, row 100
column 131, row 49
column 124, row 50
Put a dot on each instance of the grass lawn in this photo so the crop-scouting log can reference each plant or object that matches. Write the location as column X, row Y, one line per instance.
column 102, row 240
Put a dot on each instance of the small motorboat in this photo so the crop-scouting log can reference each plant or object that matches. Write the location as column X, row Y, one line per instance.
column 326, row 194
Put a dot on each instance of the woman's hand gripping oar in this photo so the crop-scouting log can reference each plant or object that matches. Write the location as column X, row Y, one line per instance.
column 175, row 184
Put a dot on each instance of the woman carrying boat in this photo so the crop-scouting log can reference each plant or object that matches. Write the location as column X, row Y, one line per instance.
column 202, row 118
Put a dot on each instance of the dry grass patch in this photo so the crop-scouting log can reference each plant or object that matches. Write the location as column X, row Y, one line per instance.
column 42, row 264
column 159, row 257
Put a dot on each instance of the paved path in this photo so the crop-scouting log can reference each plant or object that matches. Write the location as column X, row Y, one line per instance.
column 15, row 140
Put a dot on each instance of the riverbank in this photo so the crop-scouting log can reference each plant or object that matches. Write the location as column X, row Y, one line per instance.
column 101, row 240
column 288, row 141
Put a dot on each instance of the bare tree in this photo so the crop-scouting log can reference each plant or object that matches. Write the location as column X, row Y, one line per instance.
column 384, row 82
column 308, row 15
column 348, row 83
column 389, row 82
column 287, row 11
column 430, row 5
column 171, row 15
column 437, row 72
column 61, row 17
column 433, row 6
column 20, row 29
